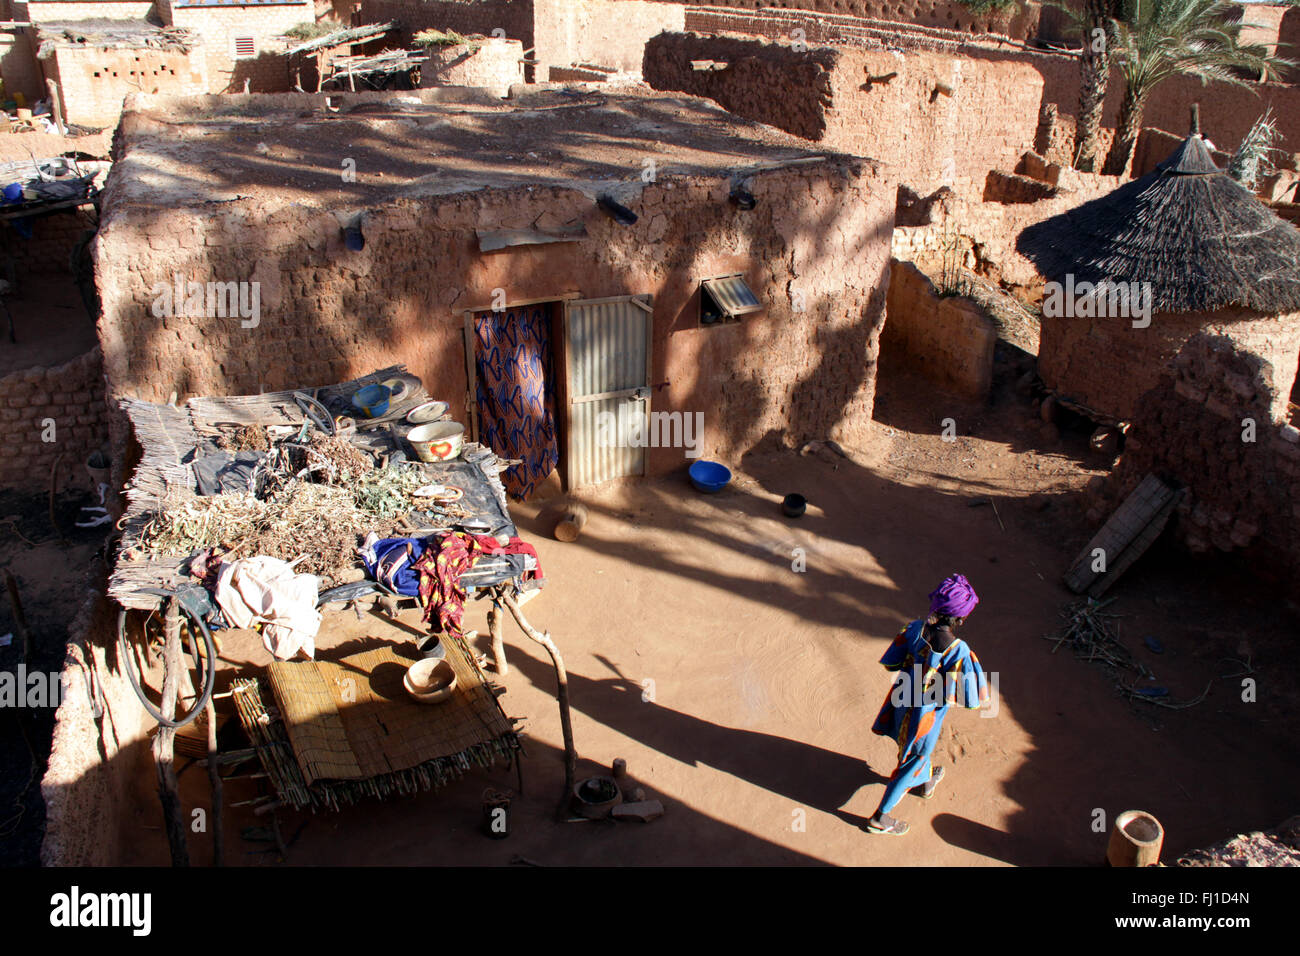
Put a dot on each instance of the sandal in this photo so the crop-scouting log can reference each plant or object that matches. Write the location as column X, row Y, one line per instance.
column 893, row 828
column 926, row 790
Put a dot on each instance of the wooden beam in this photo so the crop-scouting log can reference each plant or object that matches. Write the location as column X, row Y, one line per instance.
column 562, row 695
column 163, row 742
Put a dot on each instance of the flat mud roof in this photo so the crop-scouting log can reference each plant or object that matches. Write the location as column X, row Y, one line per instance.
column 315, row 149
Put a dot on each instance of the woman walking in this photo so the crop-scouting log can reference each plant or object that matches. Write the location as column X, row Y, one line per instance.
column 936, row 671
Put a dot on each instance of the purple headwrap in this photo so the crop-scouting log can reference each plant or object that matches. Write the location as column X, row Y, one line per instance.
column 954, row 597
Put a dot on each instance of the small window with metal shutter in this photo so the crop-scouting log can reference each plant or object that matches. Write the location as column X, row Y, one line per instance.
column 726, row 299
column 245, row 48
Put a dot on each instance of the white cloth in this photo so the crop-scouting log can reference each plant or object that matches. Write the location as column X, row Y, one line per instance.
column 266, row 591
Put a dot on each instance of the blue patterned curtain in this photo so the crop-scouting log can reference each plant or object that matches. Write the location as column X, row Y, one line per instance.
column 516, row 392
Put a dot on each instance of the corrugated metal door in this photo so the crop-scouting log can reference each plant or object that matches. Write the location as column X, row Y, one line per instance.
column 607, row 361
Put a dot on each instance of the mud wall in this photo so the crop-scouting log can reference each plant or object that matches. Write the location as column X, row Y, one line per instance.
column 99, row 756
column 1288, row 37
column 1020, row 22
column 49, row 250
column 815, row 250
column 93, row 81
column 491, row 64
column 609, row 33
column 469, row 17
column 1108, row 365
column 51, row 412
column 1227, row 111
column 558, row 33
column 938, row 119
column 949, row 339
column 219, row 24
column 18, row 64
column 981, row 236
column 1242, row 481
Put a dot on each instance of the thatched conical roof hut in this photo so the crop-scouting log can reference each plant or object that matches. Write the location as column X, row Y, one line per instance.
column 1204, row 251
column 1198, row 236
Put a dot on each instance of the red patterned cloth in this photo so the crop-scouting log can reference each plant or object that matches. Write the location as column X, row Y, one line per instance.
column 440, row 569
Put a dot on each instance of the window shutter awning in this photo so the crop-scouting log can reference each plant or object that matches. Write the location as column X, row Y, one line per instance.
column 733, row 296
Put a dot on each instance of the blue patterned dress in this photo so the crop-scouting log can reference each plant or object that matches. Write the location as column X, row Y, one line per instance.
column 928, row 683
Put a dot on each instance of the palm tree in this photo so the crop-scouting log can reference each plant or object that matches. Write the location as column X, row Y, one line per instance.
column 1163, row 38
column 1094, row 69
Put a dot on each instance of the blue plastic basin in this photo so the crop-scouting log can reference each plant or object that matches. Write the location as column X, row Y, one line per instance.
column 373, row 400
column 709, row 476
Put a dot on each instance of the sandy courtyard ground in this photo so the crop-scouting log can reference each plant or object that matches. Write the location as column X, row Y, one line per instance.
column 741, row 691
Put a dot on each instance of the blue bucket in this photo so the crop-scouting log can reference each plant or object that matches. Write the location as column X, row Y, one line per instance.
column 709, row 476
column 373, row 400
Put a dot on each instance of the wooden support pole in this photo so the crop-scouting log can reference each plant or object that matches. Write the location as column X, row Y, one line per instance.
column 498, row 639
column 56, row 102
column 214, row 778
column 163, row 753
column 562, row 694
column 20, row 619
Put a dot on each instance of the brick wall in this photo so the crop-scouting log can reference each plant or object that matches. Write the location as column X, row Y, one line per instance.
column 1288, row 36
column 1020, row 22
column 981, row 236
column 560, row 33
column 1108, row 365
column 1227, row 111
column 813, row 250
column 18, row 64
column 93, row 81
column 72, row 396
column 948, row 339
column 609, row 33
column 1261, row 23
column 918, row 112
column 48, row 11
column 49, row 250
column 490, row 64
column 515, row 17
column 219, row 26
column 1242, row 495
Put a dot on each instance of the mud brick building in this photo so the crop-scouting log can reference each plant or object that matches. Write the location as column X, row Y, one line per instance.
column 508, row 215
column 1211, row 257
column 1209, row 386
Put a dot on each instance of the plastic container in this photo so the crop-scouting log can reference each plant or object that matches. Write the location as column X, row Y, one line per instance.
column 709, row 476
column 372, row 400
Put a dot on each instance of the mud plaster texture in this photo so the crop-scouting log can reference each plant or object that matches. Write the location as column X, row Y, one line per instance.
column 1108, row 365
column 944, row 230
column 559, row 33
column 1214, row 423
column 1227, row 111
column 815, row 250
column 914, row 111
column 99, row 757
column 1019, row 22
column 948, row 339
column 489, row 64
